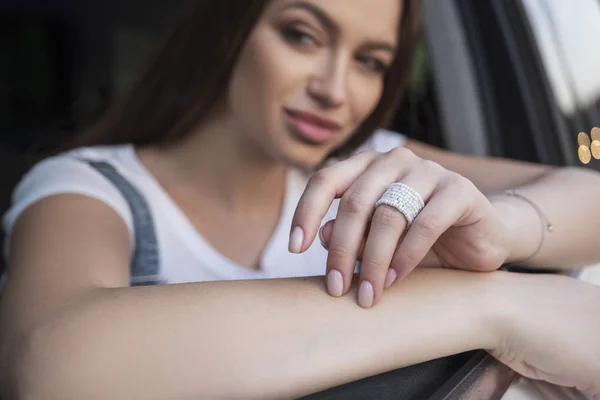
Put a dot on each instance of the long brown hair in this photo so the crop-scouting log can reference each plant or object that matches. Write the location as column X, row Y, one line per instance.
column 192, row 70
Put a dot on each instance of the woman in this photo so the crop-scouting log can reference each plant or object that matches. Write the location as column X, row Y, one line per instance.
column 220, row 137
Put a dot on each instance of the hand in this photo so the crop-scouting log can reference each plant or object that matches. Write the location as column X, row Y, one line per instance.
column 458, row 228
column 549, row 329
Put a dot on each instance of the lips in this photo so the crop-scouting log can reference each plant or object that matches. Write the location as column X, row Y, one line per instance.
column 311, row 127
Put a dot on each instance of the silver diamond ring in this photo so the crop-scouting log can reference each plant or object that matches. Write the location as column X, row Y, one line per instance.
column 404, row 199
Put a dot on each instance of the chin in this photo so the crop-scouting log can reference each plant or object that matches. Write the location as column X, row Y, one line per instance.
column 300, row 154
column 304, row 158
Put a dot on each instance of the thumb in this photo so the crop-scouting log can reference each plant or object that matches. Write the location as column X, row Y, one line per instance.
column 430, row 260
column 325, row 237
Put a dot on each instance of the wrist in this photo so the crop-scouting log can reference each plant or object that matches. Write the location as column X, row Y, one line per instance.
column 460, row 314
column 487, row 308
column 497, row 308
column 522, row 227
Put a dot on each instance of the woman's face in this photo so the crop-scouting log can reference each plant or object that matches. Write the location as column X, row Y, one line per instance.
column 311, row 72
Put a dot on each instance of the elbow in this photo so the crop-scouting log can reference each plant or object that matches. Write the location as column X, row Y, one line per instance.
column 19, row 374
column 12, row 376
column 35, row 367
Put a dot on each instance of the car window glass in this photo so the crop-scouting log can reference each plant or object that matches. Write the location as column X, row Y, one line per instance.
column 568, row 37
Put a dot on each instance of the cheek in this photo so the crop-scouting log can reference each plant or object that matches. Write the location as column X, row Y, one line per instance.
column 248, row 84
column 366, row 94
column 260, row 79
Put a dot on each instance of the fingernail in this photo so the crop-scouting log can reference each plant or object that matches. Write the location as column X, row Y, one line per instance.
column 296, row 240
column 322, row 239
column 365, row 295
column 391, row 277
column 335, row 283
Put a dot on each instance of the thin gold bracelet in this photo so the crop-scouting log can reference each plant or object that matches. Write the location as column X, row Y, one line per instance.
column 547, row 226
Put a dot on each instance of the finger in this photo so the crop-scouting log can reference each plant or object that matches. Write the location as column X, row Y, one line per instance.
column 355, row 213
column 325, row 236
column 444, row 209
column 387, row 227
column 325, row 186
column 429, row 261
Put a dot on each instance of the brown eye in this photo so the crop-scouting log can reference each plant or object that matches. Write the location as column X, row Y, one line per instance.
column 298, row 36
column 373, row 64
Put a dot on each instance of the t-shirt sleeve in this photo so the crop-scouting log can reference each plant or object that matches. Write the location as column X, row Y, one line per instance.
column 63, row 174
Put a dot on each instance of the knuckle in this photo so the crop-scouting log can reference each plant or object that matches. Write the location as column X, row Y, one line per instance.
column 321, row 177
column 386, row 217
column 368, row 154
column 402, row 153
column 338, row 253
column 427, row 225
column 433, row 167
column 460, row 181
column 354, row 203
column 374, row 264
column 493, row 256
column 404, row 260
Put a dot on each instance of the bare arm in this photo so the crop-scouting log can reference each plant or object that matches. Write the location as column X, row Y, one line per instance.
column 70, row 327
column 567, row 196
column 489, row 174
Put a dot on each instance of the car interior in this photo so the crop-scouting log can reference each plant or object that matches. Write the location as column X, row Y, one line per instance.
column 491, row 78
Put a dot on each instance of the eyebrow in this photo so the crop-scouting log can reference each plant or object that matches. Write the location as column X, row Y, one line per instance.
column 330, row 25
column 382, row 46
column 317, row 12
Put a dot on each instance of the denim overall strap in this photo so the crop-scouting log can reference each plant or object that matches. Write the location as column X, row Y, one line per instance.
column 145, row 263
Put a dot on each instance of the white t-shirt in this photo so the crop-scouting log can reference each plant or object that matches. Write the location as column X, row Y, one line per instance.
column 185, row 256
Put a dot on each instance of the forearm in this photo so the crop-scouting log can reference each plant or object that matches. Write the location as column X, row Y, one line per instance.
column 253, row 339
column 567, row 197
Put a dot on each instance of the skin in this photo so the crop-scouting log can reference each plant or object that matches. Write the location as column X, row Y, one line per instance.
column 68, row 281
column 292, row 60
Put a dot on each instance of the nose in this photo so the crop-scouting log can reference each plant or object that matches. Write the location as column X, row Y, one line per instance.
column 328, row 86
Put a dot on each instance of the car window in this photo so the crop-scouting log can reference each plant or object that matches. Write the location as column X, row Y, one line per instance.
column 571, row 58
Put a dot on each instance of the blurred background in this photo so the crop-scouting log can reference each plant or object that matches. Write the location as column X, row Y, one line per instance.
column 512, row 78
column 509, row 78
